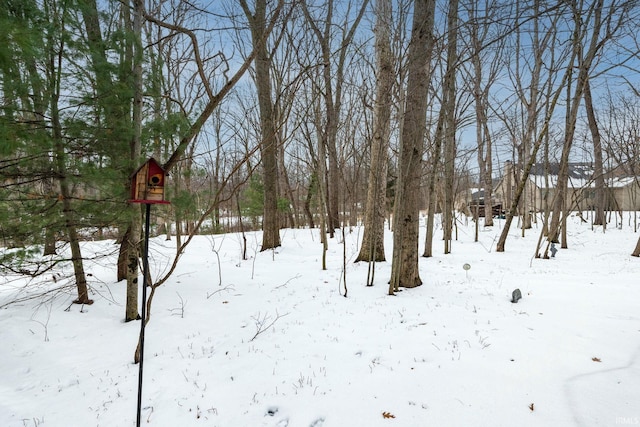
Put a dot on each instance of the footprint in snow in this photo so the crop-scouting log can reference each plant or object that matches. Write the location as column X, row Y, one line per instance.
column 271, row 412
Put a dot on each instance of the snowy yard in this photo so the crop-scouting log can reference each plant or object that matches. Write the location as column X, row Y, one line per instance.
column 271, row 341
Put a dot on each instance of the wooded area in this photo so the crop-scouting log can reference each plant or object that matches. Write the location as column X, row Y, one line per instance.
column 303, row 113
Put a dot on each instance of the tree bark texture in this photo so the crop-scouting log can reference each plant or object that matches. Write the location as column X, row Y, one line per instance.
column 583, row 63
column 598, row 167
column 449, row 101
column 372, row 248
column 68, row 213
column 636, row 251
column 404, row 267
column 431, row 186
column 268, row 137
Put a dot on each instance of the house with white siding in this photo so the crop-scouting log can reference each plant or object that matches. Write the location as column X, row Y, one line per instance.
column 622, row 190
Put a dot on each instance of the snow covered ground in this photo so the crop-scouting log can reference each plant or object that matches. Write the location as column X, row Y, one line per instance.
column 272, row 341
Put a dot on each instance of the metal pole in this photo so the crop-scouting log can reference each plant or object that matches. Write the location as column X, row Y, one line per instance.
column 145, row 273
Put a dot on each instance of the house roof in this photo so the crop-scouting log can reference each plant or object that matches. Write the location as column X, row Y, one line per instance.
column 622, row 181
column 581, row 175
column 546, row 175
column 582, row 171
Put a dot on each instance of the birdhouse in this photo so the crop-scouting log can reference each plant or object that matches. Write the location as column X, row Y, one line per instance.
column 147, row 183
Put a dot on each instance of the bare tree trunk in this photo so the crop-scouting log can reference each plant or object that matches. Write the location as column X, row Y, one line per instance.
column 328, row 139
column 322, row 170
column 132, row 245
column 404, row 267
column 117, row 111
column 485, row 145
column 584, row 62
column 486, row 51
column 531, row 85
column 431, row 186
column 333, row 79
column 449, row 90
column 313, row 189
column 268, row 143
column 636, row 251
column 487, row 176
column 524, row 201
column 68, row 212
column 560, row 205
column 50, row 232
column 285, row 188
column 513, row 209
column 121, row 271
column 187, row 167
column 372, row 249
column 598, row 167
column 177, row 212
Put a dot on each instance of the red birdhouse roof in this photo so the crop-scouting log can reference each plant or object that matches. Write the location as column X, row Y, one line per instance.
column 147, row 183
